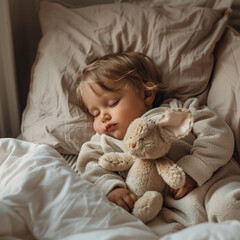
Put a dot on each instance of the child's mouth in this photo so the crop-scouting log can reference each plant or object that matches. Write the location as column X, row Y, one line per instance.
column 110, row 127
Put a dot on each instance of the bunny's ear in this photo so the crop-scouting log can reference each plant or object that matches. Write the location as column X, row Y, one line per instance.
column 177, row 122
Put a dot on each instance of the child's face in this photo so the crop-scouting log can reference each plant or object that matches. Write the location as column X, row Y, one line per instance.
column 113, row 111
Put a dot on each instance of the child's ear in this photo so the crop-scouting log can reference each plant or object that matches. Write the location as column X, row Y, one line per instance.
column 149, row 94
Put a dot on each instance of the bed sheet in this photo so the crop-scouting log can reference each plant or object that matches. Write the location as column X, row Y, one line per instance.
column 42, row 198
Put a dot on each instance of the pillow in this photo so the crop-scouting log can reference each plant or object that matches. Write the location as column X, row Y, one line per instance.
column 224, row 93
column 179, row 40
column 217, row 4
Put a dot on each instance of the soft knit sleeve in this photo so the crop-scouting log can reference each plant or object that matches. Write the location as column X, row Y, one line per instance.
column 213, row 145
column 87, row 164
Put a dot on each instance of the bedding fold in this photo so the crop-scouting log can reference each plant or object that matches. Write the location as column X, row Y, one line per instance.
column 42, row 198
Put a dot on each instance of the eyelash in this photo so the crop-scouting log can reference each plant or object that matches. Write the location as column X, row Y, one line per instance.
column 115, row 103
column 110, row 105
column 95, row 114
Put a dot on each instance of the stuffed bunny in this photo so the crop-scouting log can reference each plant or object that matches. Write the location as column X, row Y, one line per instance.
column 147, row 142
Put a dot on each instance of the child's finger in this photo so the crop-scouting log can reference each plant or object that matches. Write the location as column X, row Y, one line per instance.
column 123, row 204
column 134, row 197
column 129, row 201
column 181, row 193
column 172, row 192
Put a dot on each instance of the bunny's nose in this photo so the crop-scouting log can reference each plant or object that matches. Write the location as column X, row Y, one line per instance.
column 133, row 145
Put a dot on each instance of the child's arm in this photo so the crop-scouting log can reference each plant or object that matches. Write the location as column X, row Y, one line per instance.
column 89, row 168
column 213, row 145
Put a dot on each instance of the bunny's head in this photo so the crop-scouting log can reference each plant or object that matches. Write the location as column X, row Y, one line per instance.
column 148, row 139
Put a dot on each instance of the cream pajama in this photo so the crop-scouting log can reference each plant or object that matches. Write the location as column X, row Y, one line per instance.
column 205, row 154
column 216, row 201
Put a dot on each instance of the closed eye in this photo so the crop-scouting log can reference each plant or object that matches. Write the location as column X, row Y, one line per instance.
column 94, row 113
column 113, row 103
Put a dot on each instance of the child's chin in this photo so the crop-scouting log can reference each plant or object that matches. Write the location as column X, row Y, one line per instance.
column 118, row 136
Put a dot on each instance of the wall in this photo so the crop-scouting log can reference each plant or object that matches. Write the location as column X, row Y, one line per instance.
column 9, row 108
column 26, row 35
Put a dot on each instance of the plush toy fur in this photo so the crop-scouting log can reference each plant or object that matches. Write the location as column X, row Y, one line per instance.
column 147, row 142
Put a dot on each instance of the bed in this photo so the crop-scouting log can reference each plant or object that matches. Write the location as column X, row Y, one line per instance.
column 195, row 44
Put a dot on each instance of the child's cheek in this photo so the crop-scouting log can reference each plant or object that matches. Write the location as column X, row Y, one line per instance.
column 122, row 112
column 96, row 127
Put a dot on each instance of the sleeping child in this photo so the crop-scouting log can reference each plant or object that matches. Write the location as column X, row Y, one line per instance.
column 116, row 89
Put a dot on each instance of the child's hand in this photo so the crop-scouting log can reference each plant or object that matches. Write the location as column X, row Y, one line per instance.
column 179, row 193
column 123, row 198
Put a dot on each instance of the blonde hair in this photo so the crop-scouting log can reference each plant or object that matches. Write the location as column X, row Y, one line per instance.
column 114, row 72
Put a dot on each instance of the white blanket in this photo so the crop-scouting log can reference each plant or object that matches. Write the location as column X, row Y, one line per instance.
column 42, row 198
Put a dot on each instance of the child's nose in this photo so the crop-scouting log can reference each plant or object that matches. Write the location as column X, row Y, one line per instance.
column 105, row 117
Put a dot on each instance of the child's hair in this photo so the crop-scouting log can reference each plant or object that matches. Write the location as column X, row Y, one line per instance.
column 115, row 72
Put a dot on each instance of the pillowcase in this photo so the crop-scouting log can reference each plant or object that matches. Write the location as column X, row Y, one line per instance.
column 224, row 93
column 179, row 40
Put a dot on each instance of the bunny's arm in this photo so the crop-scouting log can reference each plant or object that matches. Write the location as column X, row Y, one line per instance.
column 115, row 161
column 171, row 173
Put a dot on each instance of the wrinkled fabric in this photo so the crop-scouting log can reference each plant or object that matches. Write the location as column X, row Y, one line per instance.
column 42, row 198
column 180, row 41
column 224, row 93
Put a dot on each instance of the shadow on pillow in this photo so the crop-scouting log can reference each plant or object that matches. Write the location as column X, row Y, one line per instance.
column 224, row 93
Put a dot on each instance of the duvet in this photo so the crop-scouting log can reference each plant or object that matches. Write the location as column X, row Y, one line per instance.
column 42, row 198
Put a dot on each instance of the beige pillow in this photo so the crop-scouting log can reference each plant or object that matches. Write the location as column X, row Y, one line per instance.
column 224, row 93
column 180, row 41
